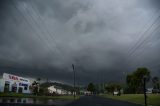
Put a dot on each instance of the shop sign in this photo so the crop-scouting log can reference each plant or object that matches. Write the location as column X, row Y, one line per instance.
column 13, row 77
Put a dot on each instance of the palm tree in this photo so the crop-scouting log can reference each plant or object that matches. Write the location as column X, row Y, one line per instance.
column 35, row 86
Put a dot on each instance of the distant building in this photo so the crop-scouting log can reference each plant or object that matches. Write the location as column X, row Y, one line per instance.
column 58, row 90
column 13, row 83
column 86, row 92
column 149, row 90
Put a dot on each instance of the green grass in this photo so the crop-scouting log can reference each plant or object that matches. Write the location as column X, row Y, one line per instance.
column 152, row 99
column 16, row 95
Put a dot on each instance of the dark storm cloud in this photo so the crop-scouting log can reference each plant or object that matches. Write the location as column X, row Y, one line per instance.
column 42, row 38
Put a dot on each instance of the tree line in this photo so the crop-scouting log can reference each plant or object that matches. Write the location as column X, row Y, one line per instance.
column 134, row 83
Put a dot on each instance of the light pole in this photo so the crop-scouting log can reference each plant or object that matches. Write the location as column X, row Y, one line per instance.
column 144, row 89
column 73, row 80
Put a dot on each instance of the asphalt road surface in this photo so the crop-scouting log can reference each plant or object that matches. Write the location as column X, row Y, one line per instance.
column 99, row 101
column 83, row 101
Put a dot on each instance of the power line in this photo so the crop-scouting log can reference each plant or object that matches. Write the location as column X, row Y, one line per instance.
column 140, row 42
column 152, row 34
column 30, row 24
column 141, row 32
column 41, row 29
column 44, row 26
column 143, row 41
column 149, row 37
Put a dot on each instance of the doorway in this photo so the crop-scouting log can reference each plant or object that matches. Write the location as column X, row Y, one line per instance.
column 14, row 87
column 6, row 87
column 20, row 89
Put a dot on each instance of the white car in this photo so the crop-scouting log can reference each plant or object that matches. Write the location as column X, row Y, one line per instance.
column 115, row 92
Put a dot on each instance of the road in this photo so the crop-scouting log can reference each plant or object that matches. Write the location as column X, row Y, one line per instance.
column 99, row 101
column 83, row 101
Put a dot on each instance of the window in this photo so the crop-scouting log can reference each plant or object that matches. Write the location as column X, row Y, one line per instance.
column 25, row 87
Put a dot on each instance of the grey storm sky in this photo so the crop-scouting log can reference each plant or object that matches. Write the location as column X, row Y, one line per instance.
column 105, row 39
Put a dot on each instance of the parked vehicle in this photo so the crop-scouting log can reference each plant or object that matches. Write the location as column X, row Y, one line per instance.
column 155, row 91
column 149, row 91
column 116, row 93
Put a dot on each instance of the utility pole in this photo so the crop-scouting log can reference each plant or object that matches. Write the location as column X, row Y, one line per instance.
column 144, row 87
column 73, row 80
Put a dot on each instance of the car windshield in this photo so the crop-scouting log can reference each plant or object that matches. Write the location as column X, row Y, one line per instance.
column 80, row 52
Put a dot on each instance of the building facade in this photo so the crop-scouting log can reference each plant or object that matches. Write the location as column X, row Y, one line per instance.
column 13, row 83
column 58, row 90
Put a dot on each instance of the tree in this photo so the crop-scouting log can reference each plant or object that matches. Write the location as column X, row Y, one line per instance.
column 113, row 87
column 155, row 81
column 91, row 87
column 131, row 84
column 35, row 86
column 135, row 80
column 43, row 91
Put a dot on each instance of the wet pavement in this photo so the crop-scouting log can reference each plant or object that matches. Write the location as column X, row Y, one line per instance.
column 32, row 102
column 83, row 101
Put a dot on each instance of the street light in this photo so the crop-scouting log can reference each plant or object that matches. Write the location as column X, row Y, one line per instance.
column 74, row 80
column 144, row 88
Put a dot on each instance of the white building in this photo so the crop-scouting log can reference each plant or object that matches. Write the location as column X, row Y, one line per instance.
column 86, row 92
column 13, row 83
column 58, row 90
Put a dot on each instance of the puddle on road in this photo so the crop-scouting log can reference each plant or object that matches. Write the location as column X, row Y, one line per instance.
column 32, row 101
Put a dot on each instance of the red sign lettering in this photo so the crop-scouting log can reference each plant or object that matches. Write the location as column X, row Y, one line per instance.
column 13, row 77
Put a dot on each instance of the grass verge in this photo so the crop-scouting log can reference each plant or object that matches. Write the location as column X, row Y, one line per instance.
column 152, row 99
column 17, row 95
